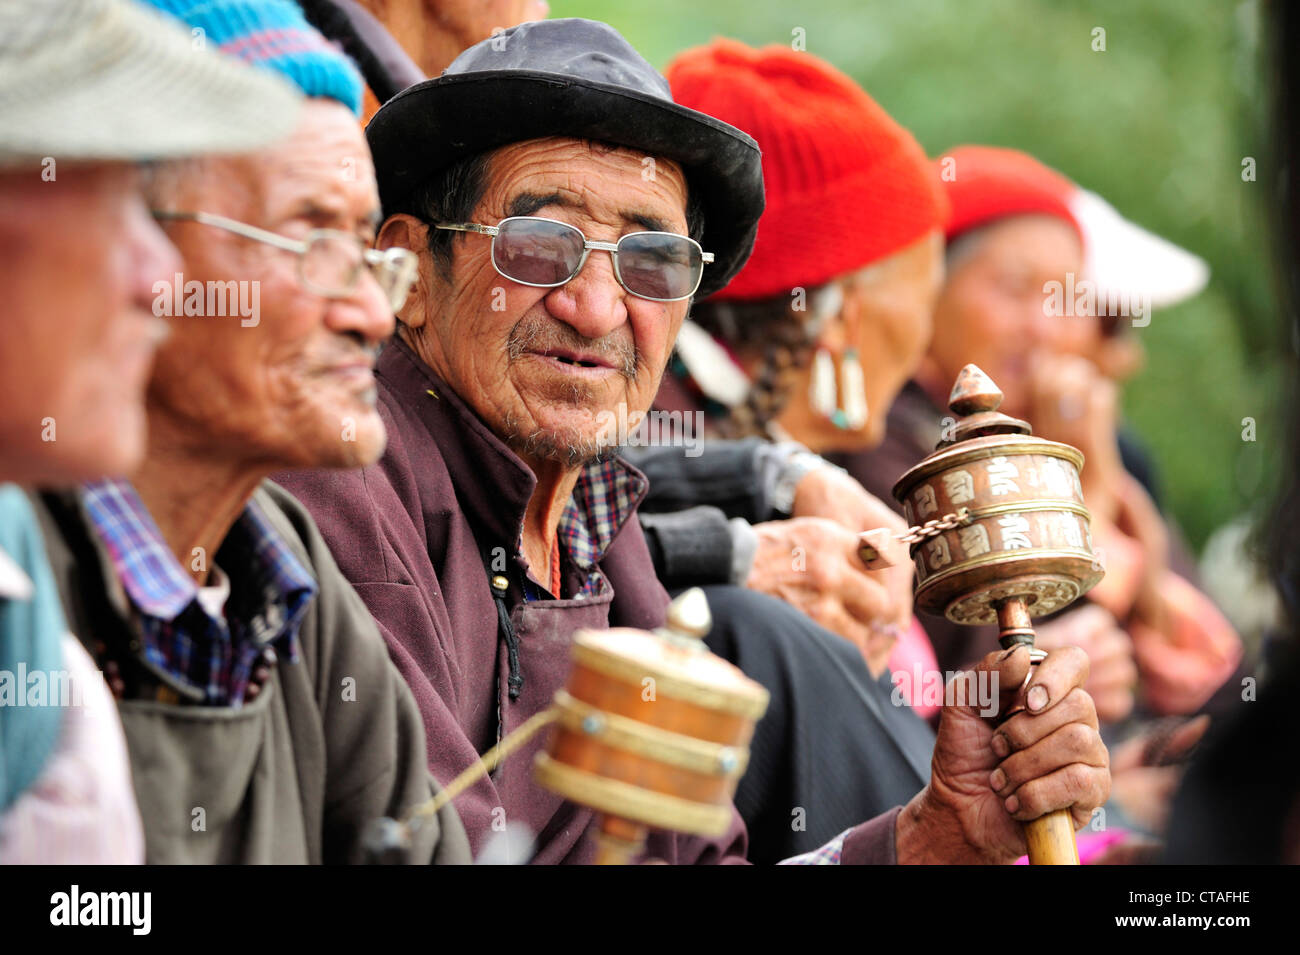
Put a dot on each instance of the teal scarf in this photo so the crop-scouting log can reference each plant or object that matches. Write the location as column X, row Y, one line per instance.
column 30, row 634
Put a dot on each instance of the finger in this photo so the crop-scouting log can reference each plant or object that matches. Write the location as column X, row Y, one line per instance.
column 865, row 599
column 1072, row 743
column 1025, row 729
column 1079, row 787
column 1007, row 671
column 830, row 614
column 1060, row 671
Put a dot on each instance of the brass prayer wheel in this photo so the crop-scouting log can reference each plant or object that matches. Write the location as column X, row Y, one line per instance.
column 1016, row 524
column 1001, row 535
column 653, row 731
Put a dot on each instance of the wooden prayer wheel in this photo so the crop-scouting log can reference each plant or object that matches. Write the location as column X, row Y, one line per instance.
column 1003, row 537
column 653, row 731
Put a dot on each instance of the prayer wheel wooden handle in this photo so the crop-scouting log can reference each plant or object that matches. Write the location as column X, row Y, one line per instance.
column 619, row 841
column 1050, row 837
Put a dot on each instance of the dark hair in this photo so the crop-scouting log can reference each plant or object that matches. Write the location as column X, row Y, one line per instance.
column 450, row 196
column 453, row 194
column 772, row 331
column 694, row 215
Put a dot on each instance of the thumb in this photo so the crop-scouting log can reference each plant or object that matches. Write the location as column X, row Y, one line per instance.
column 1007, row 672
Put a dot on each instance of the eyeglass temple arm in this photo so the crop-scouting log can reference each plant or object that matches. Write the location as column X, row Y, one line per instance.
column 467, row 227
column 238, row 228
column 388, row 256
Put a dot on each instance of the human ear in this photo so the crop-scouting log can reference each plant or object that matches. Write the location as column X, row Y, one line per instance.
column 407, row 232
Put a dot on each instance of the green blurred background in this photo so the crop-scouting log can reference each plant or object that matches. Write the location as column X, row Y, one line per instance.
column 1159, row 123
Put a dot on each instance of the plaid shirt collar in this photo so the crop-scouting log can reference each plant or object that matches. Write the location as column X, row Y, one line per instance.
column 603, row 500
column 204, row 655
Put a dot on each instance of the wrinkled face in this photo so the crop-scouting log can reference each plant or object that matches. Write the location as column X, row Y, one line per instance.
column 992, row 307
column 434, row 32
column 474, row 20
column 78, row 257
column 549, row 369
column 897, row 320
column 286, row 379
column 886, row 318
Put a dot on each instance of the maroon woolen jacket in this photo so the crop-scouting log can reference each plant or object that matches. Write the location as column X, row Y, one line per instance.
column 416, row 534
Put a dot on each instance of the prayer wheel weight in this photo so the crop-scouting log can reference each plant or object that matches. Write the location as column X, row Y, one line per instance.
column 1004, row 538
column 653, row 731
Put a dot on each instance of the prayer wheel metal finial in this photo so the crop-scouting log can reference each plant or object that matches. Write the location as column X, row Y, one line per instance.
column 1004, row 537
column 653, row 731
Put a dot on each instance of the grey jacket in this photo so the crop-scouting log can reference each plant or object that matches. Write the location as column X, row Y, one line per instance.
column 332, row 742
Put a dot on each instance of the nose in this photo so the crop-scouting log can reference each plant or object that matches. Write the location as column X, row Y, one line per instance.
column 593, row 304
column 365, row 312
column 151, row 253
column 1038, row 322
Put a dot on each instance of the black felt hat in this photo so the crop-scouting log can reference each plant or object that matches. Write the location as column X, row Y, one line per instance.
column 578, row 78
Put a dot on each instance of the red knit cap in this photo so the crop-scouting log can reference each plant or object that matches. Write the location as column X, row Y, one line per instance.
column 846, row 185
column 984, row 183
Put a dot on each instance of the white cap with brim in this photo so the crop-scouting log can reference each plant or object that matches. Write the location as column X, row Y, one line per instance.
column 95, row 80
column 1127, row 262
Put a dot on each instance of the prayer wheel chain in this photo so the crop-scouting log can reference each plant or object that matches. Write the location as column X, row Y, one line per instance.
column 949, row 522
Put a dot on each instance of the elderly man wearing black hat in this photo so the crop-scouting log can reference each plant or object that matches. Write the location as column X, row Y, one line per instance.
column 566, row 211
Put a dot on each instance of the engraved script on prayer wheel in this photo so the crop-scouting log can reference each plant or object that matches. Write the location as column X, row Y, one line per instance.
column 653, row 730
column 1025, row 530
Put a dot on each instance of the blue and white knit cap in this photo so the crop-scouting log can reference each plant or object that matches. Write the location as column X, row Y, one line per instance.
column 272, row 34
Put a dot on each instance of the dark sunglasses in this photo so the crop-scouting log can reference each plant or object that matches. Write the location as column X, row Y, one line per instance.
column 545, row 253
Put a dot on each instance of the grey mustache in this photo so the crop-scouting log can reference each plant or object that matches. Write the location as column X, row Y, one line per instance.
column 540, row 334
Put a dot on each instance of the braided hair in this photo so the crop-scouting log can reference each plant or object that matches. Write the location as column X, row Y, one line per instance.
column 781, row 336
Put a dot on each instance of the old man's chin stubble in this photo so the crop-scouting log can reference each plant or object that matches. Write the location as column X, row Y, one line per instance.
column 569, row 447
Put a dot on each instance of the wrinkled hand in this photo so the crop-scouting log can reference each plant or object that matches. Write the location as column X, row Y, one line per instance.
column 1113, row 673
column 836, row 496
column 985, row 780
column 813, row 564
column 830, row 493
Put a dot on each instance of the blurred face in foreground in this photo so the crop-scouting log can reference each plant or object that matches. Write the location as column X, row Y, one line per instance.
column 993, row 309
column 78, row 258
column 285, row 380
column 547, row 368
